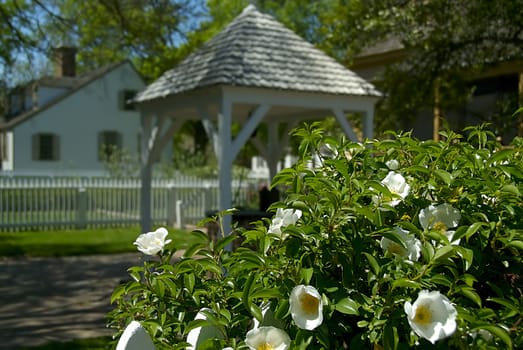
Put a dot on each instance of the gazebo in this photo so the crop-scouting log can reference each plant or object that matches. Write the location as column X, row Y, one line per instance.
column 255, row 70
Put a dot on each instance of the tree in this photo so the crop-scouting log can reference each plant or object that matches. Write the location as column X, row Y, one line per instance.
column 149, row 33
column 447, row 43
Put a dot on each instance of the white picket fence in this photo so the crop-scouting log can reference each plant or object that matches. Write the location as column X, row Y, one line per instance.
column 32, row 203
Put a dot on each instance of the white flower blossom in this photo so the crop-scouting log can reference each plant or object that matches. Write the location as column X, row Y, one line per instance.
column 152, row 243
column 397, row 186
column 283, row 218
column 306, row 307
column 440, row 217
column 267, row 338
column 197, row 336
column 412, row 249
column 392, row 164
column 432, row 316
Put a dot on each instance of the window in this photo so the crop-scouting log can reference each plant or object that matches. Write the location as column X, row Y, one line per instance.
column 46, row 146
column 3, row 146
column 126, row 97
column 109, row 141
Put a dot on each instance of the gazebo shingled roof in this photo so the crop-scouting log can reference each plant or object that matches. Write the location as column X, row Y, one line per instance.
column 255, row 50
column 254, row 70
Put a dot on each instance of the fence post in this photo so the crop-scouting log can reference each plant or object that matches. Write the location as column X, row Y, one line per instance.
column 171, row 206
column 81, row 207
column 179, row 216
column 207, row 199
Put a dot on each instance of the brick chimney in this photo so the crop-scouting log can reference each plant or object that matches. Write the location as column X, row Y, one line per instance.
column 64, row 59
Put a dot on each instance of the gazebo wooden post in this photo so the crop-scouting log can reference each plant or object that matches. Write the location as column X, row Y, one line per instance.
column 368, row 123
column 274, row 149
column 225, row 160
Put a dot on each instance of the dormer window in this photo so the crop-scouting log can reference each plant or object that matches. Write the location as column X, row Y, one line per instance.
column 126, row 97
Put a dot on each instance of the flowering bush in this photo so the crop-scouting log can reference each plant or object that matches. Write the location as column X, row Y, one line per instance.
column 391, row 244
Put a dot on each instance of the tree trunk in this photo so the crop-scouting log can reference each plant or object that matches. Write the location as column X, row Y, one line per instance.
column 436, row 112
column 520, row 98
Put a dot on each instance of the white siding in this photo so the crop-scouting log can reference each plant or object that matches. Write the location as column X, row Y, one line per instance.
column 77, row 120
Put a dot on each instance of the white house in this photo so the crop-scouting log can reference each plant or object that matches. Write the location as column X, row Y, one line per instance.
column 57, row 125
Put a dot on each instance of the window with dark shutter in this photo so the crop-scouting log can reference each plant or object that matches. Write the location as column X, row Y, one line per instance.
column 108, row 142
column 3, row 146
column 46, row 147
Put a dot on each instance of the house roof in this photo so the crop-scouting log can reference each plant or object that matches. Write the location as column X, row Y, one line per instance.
column 74, row 83
column 255, row 50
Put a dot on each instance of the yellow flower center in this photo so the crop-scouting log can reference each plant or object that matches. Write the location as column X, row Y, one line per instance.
column 406, row 217
column 309, row 303
column 265, row 346
column 439, row 226
column 423, row 315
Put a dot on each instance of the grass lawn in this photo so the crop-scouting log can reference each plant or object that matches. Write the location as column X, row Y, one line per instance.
column 79, row 242
column 102, row 343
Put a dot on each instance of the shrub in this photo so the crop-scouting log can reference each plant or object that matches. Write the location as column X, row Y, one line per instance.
column 390, row 244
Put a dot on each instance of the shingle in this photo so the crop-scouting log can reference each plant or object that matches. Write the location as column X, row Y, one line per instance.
column 255, row 50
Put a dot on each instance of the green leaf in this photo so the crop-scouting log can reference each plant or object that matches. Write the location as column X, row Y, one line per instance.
column 501, row 155
column 306, row 274
column 373, row 263
column 474, row 228
column 390, row 337
column 282, row 309
column 266, row 293
column 247, row 290
column 189, row 281
column 252, row 257
column 347, row 306
column 470, row 293
column 443, row 253
column 505, row 303
column 117, row 293
column 498, row 332
column 210, row 265
column 511, row 189
column 442, row 280
column 405, row 283
column 223, row 242
column 466, row 254
column 256, row 312
column 516, row 244
column 443, row 176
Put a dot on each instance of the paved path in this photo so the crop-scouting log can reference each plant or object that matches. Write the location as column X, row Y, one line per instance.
column 58, row 299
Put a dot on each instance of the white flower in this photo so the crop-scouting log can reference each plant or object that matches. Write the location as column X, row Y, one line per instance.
column 397, row 185
column 267, row 338
column 136, row 337
column 392, row 164
column 440, row 217
column 432, row 316
column 328, row 151
column 199, row 335
column 284, row 217
column 151, row 243
column 306, row 307
column 412, row 249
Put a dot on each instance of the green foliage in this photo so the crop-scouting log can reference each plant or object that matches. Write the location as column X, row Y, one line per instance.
column 449, row 41
column 347, row 209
